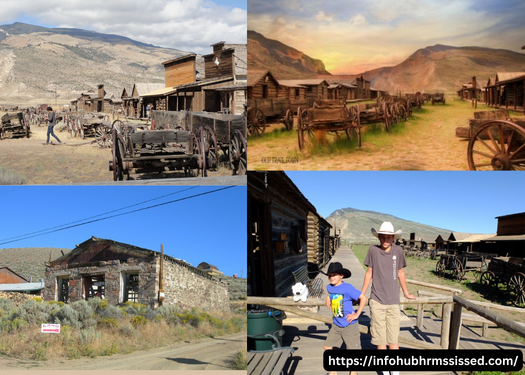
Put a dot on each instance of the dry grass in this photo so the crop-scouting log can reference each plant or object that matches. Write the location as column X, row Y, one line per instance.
column 426, row 141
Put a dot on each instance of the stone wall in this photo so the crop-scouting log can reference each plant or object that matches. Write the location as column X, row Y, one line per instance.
column 187, row 287
column 184, row 285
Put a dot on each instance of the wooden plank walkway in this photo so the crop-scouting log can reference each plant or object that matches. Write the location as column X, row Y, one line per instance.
column 307, row 336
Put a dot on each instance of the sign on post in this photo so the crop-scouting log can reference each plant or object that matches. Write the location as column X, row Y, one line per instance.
column 50, row 328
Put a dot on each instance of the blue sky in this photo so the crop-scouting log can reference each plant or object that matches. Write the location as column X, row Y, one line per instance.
column 459, row 201
column 352, row 36
column 209, row 228
column 186, row 25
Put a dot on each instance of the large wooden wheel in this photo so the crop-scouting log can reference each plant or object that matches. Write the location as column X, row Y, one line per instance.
column 497, row 145
column 516, row 289
column 479, row 271
column 458, row 271
column 300, row 138
column 256, row 121
column 440, row 267
column 288, row 120
column 488, row 281
column 237, row 151
column 103, row 136
column 211, row 150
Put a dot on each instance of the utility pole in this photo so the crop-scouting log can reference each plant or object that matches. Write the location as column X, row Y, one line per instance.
column 161, row 275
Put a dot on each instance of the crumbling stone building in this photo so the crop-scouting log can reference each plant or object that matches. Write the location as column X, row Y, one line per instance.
column 120, row 272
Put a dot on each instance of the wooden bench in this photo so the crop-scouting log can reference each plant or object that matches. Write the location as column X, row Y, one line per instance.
column 268, row 362
column 315, row 286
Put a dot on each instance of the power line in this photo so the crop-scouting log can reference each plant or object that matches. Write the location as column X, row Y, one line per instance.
column 117, row 215
column 92, row 217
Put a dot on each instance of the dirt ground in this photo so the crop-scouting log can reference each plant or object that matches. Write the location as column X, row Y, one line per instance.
column 425, row 142
column 75, row 161
column 210, row 354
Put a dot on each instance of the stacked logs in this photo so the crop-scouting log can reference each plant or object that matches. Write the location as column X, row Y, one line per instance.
column 17, row 298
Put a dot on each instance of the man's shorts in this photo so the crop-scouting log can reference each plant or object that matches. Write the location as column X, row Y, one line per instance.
column 349, row 334
column 384, row 323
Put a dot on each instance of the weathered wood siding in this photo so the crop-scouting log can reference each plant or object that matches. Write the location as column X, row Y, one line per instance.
column 180, row 74
column 511, row 225
column 8, row 277
column 226, row 65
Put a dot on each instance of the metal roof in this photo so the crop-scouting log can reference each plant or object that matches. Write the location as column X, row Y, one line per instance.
column 509, row 76
column 22, row 287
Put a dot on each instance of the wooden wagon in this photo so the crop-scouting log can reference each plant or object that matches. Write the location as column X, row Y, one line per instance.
column 416, row 100
column 220, row 131
column 13, row 126
column 496, row 142
column 328, row 119
column 460, row 264
column 438, row 97
column 376, row 113
column 509, row 271
column 156, row 151
column 259, row 109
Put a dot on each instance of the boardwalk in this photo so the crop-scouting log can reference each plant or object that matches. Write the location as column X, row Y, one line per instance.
column 307, row 336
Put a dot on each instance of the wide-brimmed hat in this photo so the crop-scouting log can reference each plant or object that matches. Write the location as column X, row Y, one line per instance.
column 336, row 267
column 387, row 228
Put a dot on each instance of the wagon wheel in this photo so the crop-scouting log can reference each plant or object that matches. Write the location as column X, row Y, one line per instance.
column 458, row 271
column 409, row 109
column 516, row 289
column 103, row 136
column 385, row 118
column 211, row 150
column 489, row 281
column 71, row 127
column 237, row 151
column 440, row 267
column 114, row 154
column 497, row 145
column 256, row 121
column 288, row 120
column 119, row 126
column 478, row 271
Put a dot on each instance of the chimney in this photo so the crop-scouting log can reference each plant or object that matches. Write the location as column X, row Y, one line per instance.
column 474, row 83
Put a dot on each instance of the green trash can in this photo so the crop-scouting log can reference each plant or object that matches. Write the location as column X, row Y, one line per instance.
column 262, row 323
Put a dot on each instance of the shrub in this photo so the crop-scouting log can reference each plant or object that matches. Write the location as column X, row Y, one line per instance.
column 107, row 322
column 67, row 316
column 85, row 313
column 138, row 320
column 167, row 311
column 152, row 315
column 9, row 177
column 6, row 304
column 33, row 312
column 88, row 336
column 126, row 330
column 240, row 362
column 134, row 308
column 110, row 311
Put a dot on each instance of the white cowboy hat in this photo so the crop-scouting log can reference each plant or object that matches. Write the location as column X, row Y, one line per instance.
column 387, row 228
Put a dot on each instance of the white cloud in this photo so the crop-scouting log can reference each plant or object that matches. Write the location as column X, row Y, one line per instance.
column 323, row 17
column 187, row 25
column 358, row 20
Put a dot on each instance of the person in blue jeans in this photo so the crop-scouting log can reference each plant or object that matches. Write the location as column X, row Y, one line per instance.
column 341, row 296
column 52, row 121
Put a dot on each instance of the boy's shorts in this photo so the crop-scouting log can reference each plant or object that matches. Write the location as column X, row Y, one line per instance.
column 384, row 323
column 349, row 334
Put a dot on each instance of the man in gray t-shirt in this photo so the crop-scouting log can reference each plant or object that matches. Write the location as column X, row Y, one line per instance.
column 52, row 120
column 385, row 264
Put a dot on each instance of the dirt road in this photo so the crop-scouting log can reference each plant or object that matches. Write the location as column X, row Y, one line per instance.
column 210, row 354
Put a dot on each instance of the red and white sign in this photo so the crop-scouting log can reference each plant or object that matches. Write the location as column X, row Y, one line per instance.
column 50, row 328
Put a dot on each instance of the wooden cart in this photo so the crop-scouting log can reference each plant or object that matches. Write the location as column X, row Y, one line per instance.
column 438, row 97
column 496, row 142
column 14, row 126
column 278, row 108
column 460, row 264
column 509, row 271
column 376, row 113
column 328, row 119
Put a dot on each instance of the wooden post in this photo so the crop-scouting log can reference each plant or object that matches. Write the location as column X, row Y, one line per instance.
column 445, row 324
column 455, row 329
column 161, row 275
column 419, row 319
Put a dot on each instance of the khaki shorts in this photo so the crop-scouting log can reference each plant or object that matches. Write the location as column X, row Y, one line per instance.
column 384, row 323
column 349, row 334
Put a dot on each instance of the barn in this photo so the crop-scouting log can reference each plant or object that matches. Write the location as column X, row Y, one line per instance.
column 120, row 272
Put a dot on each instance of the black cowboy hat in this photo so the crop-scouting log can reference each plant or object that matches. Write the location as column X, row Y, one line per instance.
column 337, row 267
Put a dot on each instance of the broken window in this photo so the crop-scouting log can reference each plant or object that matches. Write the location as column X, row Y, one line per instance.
column 94, row 286
column 63, row 289
column 130, row 284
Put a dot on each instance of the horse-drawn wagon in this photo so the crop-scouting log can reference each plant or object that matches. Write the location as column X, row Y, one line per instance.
column 460, row 264
column 13, row 125
column 509, row 271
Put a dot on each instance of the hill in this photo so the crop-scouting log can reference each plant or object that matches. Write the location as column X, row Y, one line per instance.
column 285, row 62
column 355, row 225
column 445, row 68
column 430, row 69
column 29, row 261
column 35, row 61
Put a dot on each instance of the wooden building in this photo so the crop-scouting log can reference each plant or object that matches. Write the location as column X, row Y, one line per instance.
column 8, row 276
column 510, row 237
column 119, row 272
column 134, row 104
column 470, row 91
column 263, row 85
column 315, row 89
column 285, row 232
column 507, row 91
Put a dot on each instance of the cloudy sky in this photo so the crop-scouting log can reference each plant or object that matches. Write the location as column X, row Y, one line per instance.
column 352, row 36
column 187, row 25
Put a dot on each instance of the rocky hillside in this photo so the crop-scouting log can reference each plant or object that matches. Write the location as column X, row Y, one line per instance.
column 35, row 61
column 355, row 225
column 445, row 68
column 284, row 61
column 29, row 261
